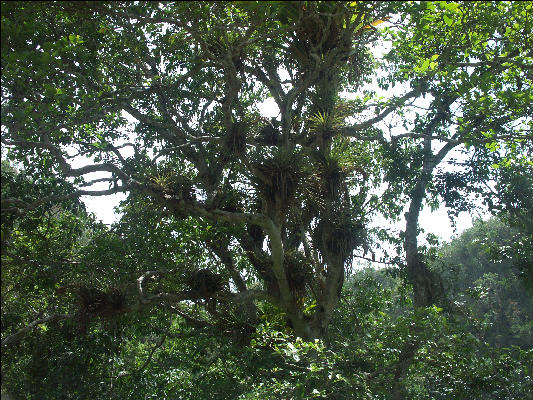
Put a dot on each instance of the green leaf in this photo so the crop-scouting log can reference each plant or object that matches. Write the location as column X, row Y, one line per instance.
column 451, row 6
column 425, row 65
column 310, row 307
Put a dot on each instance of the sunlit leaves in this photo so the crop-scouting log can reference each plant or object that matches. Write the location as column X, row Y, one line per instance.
column 182, row 82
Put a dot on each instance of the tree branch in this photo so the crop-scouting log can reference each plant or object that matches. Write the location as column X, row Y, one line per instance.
column 11, row 339
column 63, row 164
column 395, row 103
column 22, row 207
column 148, row 360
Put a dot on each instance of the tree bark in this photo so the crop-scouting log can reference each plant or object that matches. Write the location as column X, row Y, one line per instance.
column 427, row 285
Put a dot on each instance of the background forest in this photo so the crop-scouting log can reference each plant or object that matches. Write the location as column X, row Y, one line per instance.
column 255, row 257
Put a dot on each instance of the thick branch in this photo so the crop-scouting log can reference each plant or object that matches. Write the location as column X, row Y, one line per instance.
column 395, row 103
column 223, row 253
column 63, row 164
column 20, row 207
column 9, row 340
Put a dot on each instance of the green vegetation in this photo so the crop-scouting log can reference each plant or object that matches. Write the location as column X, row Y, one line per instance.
column 230, row 273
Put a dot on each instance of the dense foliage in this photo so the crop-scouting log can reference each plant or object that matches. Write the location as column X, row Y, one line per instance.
column 479, row 350
column 230, row 273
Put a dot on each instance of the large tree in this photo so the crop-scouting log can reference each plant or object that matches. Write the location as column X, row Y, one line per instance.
column 231, row 209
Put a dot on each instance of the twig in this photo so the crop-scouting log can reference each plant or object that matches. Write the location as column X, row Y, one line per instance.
column 148, row 360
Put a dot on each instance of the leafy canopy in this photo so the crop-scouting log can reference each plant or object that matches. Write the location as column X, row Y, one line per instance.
column 233, row 220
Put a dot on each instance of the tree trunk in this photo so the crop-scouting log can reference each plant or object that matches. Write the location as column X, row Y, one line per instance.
column 427, row 285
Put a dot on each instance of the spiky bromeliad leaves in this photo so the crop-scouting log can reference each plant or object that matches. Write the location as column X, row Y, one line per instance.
column 136, row 88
